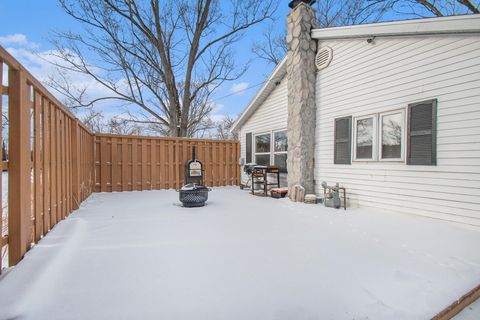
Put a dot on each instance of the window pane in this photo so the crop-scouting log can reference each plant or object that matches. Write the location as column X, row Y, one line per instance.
column 392, row 136
column 262, row 159
column 364, row 138
column 281, row 162
column 280, row 141
column 262, row 143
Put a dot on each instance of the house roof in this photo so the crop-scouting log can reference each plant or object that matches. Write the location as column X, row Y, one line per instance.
column 430, row 26
column 268, row 86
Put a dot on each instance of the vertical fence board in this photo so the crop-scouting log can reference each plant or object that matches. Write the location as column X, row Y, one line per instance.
column 53, row 175
column 19, row 184
column 153, row 165
column 58, row 137
column 70, row 164
column 162, row 176
column 104, row 164
column 134, row 165
column 76, row 165
column 144, row 164
column 124, row 164
column 63, row 124
column 114, row 165
column 37, row 167
column 1, row 159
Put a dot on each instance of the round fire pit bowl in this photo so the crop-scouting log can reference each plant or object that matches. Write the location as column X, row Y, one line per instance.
column 193, row 195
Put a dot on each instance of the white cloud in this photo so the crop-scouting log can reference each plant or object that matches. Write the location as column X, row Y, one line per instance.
column 239, row 88
column 41, row 65
column 216, row 107
column 17, row 39
column 218, row 117
column 11, row 39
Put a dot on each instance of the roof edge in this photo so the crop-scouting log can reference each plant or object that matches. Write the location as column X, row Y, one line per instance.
column 269, row 85
column 426, row 26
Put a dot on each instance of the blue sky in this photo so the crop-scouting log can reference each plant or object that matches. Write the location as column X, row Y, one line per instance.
column 27, row 25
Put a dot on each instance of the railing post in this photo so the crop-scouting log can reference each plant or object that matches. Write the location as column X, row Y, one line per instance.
column 76, row 164
column 20, row 167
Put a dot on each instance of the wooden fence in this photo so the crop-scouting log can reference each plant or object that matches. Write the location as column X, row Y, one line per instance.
column 127, row 163
column 55, row 162
column 50, row 159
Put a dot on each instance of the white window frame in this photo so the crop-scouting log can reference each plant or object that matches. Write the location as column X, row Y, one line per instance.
column 255, row 153
column 272, row 151
column 374, row 138
column 380, row 135
column 273, row 145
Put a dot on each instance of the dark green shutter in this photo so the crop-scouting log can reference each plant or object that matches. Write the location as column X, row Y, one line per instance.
column 343, row 141
column 422, row 133
column 248, row 150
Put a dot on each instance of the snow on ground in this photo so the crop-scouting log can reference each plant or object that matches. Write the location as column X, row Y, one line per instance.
column 139, row 255
column 472, row 312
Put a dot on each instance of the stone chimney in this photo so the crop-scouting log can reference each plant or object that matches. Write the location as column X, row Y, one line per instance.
column 301, row 74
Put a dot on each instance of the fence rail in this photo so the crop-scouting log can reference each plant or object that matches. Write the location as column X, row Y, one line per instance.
column 127, row 163
column 55, row 162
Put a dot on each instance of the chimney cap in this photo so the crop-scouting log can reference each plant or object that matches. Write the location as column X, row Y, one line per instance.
column 295, row 3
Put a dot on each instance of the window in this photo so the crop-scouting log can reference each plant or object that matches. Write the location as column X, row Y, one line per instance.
column 365, row 138
column 392, row 135
column 387, row 143
column 262, row 149
column 280, row 147
column 400, row 135
column 271, row 148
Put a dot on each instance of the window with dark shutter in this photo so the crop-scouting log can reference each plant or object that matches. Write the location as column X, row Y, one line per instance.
column 248, row 155
column 422, row 133
column 342, row 138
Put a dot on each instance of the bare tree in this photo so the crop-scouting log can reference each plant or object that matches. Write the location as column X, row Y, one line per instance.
column 334, row 13
column 94, row 120
column 97, row 122
column 427, row 8
column 330, row 13
column 222, row 129
column 167, row 58
column 272, row 47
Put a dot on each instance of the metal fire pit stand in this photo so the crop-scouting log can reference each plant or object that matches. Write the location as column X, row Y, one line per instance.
column 194, row 193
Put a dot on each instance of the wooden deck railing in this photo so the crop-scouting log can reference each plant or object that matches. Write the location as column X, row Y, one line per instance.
column 55, row 162
column 50, row 159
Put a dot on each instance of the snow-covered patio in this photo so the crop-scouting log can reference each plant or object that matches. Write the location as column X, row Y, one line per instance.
column 139, row 255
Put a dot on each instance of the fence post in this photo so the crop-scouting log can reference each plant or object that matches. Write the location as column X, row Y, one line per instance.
column 20, row 166
column 76, row 164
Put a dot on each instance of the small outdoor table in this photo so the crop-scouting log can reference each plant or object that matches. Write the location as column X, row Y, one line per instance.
column 263, row 172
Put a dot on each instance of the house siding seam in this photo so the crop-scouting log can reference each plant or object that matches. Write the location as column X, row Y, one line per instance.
column 393, row 72
column 270, row 116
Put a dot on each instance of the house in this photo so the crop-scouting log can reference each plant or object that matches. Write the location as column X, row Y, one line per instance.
column 390, row 111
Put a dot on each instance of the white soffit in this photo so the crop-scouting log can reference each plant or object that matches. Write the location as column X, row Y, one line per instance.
column 428, row 26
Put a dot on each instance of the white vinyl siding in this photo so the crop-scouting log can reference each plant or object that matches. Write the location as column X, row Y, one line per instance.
column 365, row 79
column 269, row 117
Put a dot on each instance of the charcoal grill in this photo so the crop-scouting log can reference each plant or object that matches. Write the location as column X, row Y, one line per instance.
column 194, row 193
